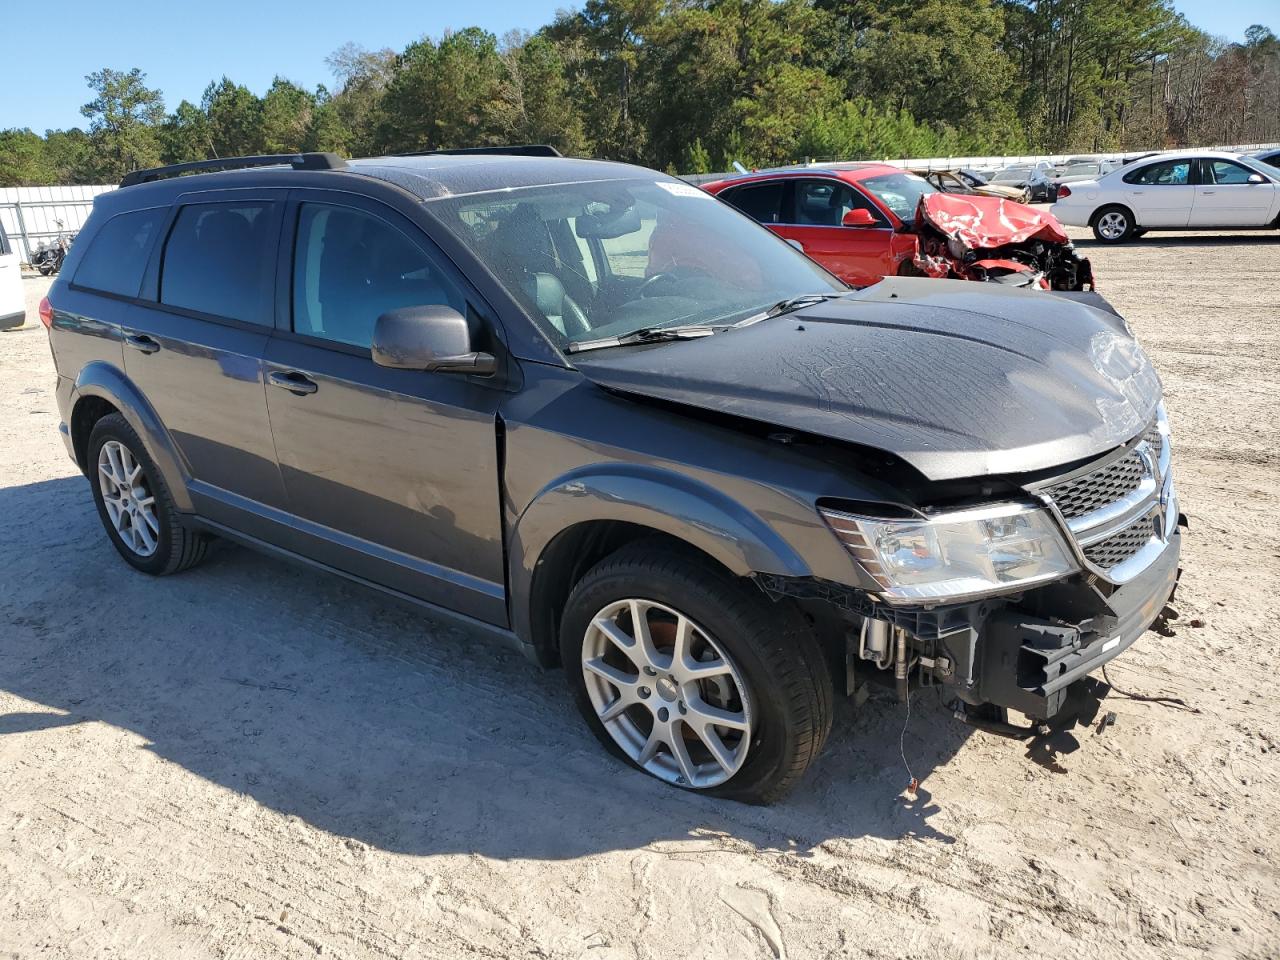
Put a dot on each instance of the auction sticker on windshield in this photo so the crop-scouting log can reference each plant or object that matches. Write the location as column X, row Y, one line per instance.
column 683, row 190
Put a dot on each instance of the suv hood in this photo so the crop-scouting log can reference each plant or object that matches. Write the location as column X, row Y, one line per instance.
column 957, row 379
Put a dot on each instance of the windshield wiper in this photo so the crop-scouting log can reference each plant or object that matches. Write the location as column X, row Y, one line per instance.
column 789, row 305
column 646, row 335
column 804, row 300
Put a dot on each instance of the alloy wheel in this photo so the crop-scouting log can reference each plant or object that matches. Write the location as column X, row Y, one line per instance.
column 667, row 693
column 1113, row 225
column 130, row 503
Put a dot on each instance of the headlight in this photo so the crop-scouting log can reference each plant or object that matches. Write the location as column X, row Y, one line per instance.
column 953, row 556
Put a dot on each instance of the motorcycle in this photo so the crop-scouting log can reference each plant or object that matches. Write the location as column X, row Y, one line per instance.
column 48, row 257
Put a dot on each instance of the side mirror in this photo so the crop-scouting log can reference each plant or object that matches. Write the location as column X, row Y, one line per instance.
column 432, row 338
column 1257, row 178
column 859, row 218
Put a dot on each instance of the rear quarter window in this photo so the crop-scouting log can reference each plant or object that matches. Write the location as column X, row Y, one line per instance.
column 219, row 260
column 118, row 252
column 761, row 201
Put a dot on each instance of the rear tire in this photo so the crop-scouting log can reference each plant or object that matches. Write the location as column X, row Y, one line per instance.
column 134, row 503
column 768, row 674
column 1113, row 224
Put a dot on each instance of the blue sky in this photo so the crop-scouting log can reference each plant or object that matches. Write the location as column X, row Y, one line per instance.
column 44, row 86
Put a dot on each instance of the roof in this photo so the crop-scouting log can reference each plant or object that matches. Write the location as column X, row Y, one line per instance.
column 427, row 176
column 852, row 171
column 433, row 176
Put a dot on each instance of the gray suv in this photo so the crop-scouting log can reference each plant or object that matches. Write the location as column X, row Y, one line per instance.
column 593, row 410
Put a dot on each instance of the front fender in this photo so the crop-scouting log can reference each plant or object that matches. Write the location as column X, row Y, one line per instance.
column 108, row 382
column 651, row 497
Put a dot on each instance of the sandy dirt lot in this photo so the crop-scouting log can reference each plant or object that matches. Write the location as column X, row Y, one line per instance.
column 255, row 760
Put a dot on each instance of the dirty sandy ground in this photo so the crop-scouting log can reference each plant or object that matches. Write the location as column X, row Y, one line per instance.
column 255, row 760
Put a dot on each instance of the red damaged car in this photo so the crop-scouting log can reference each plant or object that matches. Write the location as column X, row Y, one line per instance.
column 866, row 221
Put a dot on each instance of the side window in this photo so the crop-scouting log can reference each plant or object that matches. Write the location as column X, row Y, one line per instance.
column 762, row 201
column 350, row 267
column 219, row 259
column 117, row 254
column 825, row 202
column 1169, row 173
column 5, row 247
column 1224, row 171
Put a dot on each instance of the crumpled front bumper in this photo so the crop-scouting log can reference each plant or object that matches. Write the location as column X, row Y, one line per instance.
column 1027, row 662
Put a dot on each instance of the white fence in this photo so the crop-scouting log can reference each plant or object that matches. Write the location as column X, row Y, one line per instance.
column 31, row 214
column 927, row 164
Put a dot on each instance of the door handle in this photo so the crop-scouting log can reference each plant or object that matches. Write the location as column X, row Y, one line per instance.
column 293, row 381
column 1208, row 193
column 140, row 341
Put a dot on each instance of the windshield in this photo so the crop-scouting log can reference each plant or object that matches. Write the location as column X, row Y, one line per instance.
column 1081, row 170
column 606, row 258
column 1012, row 175
column 1262, row 166
column 900, row 192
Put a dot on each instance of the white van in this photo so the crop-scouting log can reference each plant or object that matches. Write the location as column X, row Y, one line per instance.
column 13, row 304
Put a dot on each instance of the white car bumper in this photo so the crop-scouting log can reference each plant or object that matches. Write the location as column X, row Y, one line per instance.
column 1072, row 214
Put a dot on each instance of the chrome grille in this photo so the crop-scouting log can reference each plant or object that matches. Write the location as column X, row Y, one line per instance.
column 1084, row 495
column 1122, row 546
column 1118, row 514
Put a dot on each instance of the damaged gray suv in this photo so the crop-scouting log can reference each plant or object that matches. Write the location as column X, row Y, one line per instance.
column 594, row 410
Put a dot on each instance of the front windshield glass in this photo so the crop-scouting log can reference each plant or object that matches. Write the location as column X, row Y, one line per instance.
column 606, row 258
column 1013, row 175
column 900, row 192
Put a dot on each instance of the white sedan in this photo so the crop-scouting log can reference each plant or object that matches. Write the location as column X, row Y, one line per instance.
column 13, row 307
column 1205, row 190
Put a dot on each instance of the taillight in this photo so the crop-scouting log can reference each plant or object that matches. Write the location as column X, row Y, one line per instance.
column 46, row 312
column 1064, row 191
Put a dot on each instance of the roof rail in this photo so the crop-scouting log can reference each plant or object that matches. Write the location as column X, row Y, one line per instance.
column 299, row 161
column 515, row 150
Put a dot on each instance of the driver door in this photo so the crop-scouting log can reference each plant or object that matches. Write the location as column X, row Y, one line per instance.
column 1226, row 198
column 390, row 475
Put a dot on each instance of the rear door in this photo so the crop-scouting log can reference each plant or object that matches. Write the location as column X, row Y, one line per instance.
column 12, row 298
column 1161, row 194
column 391, row 475
column 857, row 255
column 195, row 349
column 1226, row 198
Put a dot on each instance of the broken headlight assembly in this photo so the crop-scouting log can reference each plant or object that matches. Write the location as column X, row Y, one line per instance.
column 961, row 555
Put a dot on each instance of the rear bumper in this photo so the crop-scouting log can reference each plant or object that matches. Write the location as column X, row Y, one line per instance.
column 1071, row 214
column 11, row 321
column 1027, row 662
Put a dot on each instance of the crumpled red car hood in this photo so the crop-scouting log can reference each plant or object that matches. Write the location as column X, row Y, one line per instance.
column 981, row 223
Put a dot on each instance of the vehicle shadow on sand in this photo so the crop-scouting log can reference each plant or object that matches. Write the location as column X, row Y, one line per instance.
column 377, row 722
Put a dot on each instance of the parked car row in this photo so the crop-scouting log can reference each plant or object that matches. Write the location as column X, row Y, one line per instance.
column 589, row 409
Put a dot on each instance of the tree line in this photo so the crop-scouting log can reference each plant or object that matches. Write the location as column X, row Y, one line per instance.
column 694, row 85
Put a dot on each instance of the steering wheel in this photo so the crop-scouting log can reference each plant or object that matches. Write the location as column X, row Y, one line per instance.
column 658, row 280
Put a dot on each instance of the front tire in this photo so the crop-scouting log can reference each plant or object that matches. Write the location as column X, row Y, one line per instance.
column 1113, row 224
column 693, row 676
column 134, row 503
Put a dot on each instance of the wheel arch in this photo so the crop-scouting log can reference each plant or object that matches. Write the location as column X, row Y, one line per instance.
column 582, row 518
column 1115, row 205
column 102, row 389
